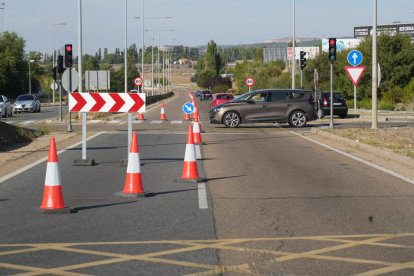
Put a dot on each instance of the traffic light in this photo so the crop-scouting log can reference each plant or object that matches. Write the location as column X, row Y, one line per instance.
column 68, row 55
column 332, row 49
column 60, row 68
column 302, row 60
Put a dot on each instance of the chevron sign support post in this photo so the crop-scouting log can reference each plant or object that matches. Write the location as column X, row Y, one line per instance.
column 107, row 102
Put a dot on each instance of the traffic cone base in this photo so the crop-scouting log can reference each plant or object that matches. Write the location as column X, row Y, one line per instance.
column 53, row 198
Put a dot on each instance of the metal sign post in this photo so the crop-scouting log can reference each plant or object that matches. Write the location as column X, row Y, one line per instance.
column 331, row 123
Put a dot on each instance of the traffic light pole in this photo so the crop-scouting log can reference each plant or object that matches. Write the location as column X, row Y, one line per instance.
column 331, row 123
column 301, row 78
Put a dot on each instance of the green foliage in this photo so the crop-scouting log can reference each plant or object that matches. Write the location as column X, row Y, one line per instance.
column 220, row 88
column 386, row 104
column 213, row 59
column 13, row 68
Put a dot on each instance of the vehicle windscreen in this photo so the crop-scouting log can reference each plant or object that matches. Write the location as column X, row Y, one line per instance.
column 243, row 97
column 25, row 98
column 1, row 99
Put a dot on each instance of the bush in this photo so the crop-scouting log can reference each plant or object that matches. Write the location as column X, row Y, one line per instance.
column 385, row 104
column 364, row 103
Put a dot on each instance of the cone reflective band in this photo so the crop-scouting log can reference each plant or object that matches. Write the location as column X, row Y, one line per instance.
column 53, row 194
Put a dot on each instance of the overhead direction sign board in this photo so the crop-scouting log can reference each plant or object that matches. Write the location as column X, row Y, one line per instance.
column 355, row 58
column 355, row 73
column 107, row 102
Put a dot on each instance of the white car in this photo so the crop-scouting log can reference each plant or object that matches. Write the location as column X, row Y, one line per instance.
column 6, row 109
column 26, row 102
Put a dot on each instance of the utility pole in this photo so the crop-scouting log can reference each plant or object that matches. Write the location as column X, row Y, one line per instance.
column 374, row 68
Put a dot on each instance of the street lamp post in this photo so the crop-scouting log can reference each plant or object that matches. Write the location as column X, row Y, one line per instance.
column 2, row 6
column 293, row 46
column 374, row 68
column 30, row 77
column 54, row 53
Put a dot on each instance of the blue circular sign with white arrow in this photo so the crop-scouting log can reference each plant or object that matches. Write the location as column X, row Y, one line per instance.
column 188, row 108
column 355, row 58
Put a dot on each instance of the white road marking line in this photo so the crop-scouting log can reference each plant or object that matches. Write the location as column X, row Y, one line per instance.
column 95, row 121
column 176, row 122
column 198, row 152
column 11, row 122
column 156, row 122
column 10, row 175
column 114, row 122
column 27, row 122
column 202, row 196
column 368, row 163
column 137, row 122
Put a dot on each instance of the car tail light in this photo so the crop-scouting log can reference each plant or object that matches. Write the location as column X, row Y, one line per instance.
column 325, row 102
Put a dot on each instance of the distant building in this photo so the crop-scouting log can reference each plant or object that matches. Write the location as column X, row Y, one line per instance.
column 184, row 61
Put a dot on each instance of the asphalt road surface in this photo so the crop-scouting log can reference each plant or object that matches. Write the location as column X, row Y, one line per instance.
column 276, row 204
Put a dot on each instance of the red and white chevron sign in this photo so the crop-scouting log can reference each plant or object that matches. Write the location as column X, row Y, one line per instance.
column 107, row 102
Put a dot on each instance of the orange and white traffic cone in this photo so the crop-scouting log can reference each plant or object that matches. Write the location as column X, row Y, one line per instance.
column 190, row 169
column 197, row 131
column 163, row 117
column 133, row 186
column 141, row 116
column 187, row 117
column 53, row 201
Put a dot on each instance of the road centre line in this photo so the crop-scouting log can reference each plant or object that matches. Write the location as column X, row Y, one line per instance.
column 13, row 174
column 368, row 163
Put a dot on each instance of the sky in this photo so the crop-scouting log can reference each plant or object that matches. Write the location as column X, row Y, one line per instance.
column 192, row 22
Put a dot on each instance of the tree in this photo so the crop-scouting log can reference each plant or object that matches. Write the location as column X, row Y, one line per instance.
column 213, row 59
column 13, row 68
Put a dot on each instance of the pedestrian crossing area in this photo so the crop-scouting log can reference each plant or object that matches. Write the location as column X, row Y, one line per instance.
column 109, row 122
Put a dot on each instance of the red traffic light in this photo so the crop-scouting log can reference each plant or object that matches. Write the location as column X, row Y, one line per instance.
column 68, row 48
column 332, row 41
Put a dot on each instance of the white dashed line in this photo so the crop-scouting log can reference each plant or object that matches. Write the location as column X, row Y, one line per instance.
column 176, row 122
column 202, row 196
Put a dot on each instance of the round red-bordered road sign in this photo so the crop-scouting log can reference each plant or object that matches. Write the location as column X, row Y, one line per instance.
column 138, row 81
column 249, row 81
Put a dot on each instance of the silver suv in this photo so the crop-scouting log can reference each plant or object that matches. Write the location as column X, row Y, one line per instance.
column 295, row 107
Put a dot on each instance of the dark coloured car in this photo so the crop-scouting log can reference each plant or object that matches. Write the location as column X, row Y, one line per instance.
column 206, row 95
column 339, row 106
column 295, row 107
column 198, row 93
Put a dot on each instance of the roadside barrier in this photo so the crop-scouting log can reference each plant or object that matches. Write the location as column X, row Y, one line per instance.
column 190, row 169
column 163, row 117
column 53, row 201
column 133, row 186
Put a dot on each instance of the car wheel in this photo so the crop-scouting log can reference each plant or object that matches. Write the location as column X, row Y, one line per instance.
column 38, row 109
column 231, row 119
column 297, row 119
column 5, row 114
